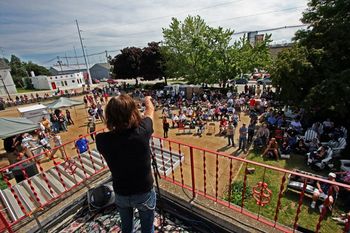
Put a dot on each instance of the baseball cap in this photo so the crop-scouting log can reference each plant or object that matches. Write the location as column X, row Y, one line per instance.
column 331, row 174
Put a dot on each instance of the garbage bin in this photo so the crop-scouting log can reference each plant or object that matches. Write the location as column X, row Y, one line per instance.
column 30, row 169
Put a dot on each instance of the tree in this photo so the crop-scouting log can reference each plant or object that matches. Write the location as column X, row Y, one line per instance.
column 20, row 70
column 328, row 34
column 127, row 64
column 289, row 73
column 223, row 57
column 17, row 67
column 37, row 69
column 186, row 49
column 315, row 72
column 151, row 64
column 203, row 54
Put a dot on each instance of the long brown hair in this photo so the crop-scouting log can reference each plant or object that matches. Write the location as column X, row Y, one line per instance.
column 122, row 113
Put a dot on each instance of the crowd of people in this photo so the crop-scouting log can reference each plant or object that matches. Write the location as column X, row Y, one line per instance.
column 27, row 145
column 273, row 130
column 36, row 97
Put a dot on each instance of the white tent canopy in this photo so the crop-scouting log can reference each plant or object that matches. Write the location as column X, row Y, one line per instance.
column 11, row 126
column 63, row 102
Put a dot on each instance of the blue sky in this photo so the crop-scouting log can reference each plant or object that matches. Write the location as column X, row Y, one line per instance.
column 41, row 30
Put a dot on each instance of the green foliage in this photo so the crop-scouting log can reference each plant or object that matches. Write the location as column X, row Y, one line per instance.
column 186, row 49
column 3, row 184
column 127, row 64
column 38, row 70
column 290, row 72
column 315, row 72
column 151, row 64
column 236, row 193
column 17, row 67
column 20, row 69
column 28, row 84
column 135, row 62
column 203, row 54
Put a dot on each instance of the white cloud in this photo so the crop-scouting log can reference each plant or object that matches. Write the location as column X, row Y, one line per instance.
column 41, row 29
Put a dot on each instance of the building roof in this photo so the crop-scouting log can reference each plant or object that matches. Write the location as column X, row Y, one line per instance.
column 104, row 65
column 3, row 65
column 68, row 68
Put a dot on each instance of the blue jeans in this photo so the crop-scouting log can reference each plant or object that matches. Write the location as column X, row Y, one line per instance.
column 242, row 142
column 145, row 203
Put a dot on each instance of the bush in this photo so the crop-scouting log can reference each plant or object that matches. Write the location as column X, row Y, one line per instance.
column 236, row 193
column 3, row 184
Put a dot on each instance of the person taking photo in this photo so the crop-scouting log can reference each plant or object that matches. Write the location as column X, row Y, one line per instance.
column 126, row 148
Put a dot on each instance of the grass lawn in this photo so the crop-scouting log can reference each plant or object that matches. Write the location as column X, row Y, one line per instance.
column 22, row 90
column 308, row 218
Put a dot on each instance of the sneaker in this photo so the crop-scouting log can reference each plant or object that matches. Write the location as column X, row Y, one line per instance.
column 320, row 208
column 313, row 205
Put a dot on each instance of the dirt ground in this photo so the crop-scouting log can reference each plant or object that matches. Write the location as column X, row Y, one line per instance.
column 212, row 173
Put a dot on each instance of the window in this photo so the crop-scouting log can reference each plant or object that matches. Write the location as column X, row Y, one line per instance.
column 62, row 83
column 65, row 82
column 73, row 81
column 71, row 75
column 55, row 77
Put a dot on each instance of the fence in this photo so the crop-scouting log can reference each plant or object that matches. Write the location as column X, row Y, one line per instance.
column 261, row 194
column 265, row 192
column 43, row 179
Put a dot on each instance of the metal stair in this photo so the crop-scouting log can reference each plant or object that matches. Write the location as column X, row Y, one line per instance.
column 71, row 173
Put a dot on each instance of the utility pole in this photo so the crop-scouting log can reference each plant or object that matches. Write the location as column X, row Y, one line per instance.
column 5, row 87
column 76, row 57
column 82, row 47
column 87, row 55
column 66, row 59
column 59, row 62
column 106, row 56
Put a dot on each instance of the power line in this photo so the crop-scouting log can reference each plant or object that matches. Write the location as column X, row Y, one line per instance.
column 181, row 12
column 257, row 14
column 272, row 29
column 238, row 17
column 236, row 33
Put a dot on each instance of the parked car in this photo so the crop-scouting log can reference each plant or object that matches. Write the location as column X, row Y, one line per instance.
column 112, row 81
column 262, row 81
column 95, row 81
column 241, row 81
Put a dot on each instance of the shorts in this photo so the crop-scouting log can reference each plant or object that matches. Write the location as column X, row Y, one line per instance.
column 323, row 196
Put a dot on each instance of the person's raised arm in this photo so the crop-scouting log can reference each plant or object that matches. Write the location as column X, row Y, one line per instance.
column 149, row 111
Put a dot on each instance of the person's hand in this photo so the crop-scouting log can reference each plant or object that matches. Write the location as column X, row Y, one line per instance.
column 148, row 98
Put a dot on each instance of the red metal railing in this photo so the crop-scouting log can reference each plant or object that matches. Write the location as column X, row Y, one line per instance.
column 204, row 172
column 43, row 167
column 209, row 173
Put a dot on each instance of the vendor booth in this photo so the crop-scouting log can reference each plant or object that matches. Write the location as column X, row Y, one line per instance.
column 35, row 113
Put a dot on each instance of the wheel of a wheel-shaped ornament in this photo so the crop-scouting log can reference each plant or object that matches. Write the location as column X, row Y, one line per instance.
column 262, row 194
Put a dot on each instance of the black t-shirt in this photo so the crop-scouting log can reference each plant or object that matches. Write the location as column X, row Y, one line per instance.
column 8, row 144
column 128, row 157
